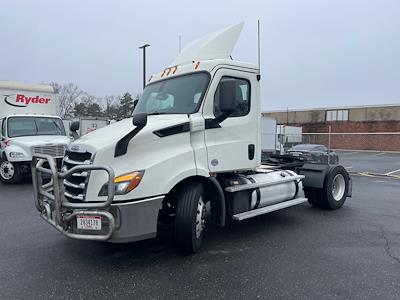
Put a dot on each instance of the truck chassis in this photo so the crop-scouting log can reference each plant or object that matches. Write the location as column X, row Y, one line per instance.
column 233, row 196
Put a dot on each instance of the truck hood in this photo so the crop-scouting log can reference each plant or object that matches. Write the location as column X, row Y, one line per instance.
column 38, row 140
column 111, row 134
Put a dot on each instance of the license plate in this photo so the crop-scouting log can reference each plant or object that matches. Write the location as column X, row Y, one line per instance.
column 88, row 222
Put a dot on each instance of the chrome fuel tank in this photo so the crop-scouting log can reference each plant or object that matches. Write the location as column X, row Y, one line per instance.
column 276, row 193
column 272, row 187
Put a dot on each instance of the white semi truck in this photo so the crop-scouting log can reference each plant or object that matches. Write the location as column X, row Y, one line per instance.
column 190, row 155
column 29, row 126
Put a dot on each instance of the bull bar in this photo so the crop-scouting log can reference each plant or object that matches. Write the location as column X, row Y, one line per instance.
column 55, row 209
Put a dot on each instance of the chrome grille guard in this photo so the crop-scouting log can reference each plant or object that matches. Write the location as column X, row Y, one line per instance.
column 55, row 209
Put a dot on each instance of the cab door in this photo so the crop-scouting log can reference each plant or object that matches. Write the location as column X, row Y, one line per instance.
column 233, row 144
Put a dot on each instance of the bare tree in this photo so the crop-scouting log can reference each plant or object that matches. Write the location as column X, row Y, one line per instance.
column 68, row 94
column 109, row 106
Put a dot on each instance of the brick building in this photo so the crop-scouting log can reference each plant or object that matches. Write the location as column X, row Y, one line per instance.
column 358, row 127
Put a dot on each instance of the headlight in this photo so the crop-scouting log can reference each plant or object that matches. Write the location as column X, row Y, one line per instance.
column 124, row 183
column 16, row 155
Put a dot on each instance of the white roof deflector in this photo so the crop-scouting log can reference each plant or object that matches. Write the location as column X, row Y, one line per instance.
column 216, row 45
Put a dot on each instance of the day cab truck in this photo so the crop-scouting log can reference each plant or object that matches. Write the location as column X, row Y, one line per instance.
column 29, row 126
column 190, row 155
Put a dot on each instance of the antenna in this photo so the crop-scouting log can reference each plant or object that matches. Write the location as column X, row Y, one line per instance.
column 259, row 52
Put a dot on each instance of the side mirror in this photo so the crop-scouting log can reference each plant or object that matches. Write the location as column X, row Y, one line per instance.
column 74, row 126
column 135, row 102
column 139, row 120
column 227, row 96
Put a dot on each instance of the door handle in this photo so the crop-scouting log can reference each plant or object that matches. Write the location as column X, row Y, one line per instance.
column 251, row 151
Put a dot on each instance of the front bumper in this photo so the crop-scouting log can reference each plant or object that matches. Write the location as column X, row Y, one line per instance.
column 121, row 222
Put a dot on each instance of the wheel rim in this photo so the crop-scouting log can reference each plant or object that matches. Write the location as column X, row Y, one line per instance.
column 200, row 217
column 338, row 187
column 7, row 170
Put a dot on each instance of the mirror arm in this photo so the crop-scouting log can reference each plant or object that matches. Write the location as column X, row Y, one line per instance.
column 122, row 145
column 215, row 123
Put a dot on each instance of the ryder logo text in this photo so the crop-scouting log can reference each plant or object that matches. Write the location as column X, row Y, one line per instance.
column 21, row 100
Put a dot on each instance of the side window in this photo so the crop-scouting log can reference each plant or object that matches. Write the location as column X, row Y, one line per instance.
column 242, row 98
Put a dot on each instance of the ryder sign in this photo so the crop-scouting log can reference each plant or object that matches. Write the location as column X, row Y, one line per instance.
column 21, row 100
column 26, row 99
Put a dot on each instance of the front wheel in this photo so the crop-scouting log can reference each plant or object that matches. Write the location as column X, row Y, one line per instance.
column 190, row 218
column 10, row 172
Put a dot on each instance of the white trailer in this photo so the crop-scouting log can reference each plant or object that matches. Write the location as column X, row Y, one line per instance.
column 29, row 126
column 189, row 155
column 287, row 136
column 88, row 124
column 268, row 136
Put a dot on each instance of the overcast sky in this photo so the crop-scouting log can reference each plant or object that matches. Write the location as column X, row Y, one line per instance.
column 315, row 53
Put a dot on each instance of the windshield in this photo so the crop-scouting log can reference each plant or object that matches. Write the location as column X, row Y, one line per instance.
column 28, row 126
column 179, row 95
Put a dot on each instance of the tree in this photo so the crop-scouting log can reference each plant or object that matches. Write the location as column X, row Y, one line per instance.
column 88, row 107
column 111, row 107
column 126, row 105
column 94, row 110
column 80, row 109
column 67, row 95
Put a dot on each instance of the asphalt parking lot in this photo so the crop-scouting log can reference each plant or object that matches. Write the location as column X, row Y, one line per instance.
column 373, row 163
column 297, row 253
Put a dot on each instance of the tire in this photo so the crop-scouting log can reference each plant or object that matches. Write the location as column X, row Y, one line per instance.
column 334, row 193
column 190, row 218
column 10, row 172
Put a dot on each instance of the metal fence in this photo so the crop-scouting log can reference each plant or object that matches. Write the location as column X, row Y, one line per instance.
column 373, row 141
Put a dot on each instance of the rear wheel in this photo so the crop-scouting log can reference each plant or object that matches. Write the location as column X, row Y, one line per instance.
column 10, row 172
column 190, row 218
column 335, row 190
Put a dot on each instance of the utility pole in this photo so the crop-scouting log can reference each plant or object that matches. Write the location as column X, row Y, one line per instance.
column 287, row 115
column 144, row 63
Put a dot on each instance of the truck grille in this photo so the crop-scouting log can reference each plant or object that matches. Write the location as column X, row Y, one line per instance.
column 52, row 150
column 75, row 185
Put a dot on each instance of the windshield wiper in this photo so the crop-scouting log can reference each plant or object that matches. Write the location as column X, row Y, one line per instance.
column 37, row 129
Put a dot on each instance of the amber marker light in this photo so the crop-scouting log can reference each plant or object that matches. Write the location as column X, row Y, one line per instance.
column 124, row 183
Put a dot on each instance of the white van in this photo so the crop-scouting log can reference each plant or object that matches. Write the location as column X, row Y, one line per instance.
column 28, row 125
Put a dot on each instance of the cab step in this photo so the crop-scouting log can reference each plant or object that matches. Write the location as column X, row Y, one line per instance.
column 264, row 210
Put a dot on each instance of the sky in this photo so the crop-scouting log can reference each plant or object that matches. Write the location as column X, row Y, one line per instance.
column 314, row 53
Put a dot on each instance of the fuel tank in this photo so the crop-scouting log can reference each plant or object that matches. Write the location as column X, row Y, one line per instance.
column 260, row 197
